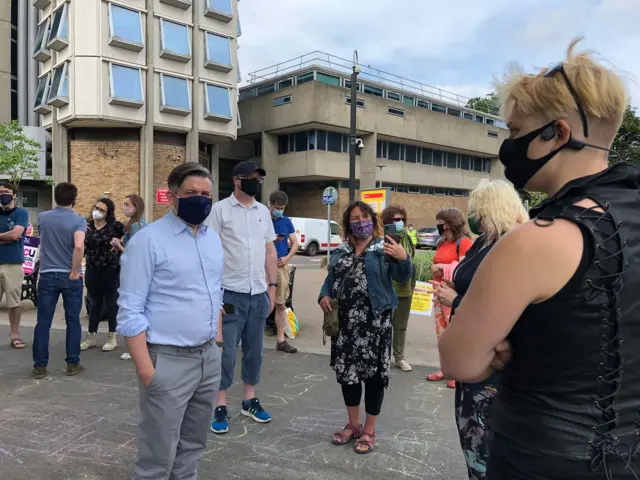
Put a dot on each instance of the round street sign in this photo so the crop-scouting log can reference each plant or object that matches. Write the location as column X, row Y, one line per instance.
column 330, row 196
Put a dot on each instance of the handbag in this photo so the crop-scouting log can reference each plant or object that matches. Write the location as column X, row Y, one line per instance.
column 331, row 323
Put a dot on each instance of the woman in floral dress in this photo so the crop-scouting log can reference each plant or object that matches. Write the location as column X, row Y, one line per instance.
column 360, row 275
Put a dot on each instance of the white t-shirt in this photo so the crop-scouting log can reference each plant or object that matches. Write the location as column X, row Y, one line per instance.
column 244, row 233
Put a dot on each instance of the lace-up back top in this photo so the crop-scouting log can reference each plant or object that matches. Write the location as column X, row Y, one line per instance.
column 572, row 389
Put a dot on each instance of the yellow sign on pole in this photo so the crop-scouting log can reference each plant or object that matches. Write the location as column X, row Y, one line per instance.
column 378, row 198
column 422, row 302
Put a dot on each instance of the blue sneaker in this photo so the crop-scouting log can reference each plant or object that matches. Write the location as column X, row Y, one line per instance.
column 220, row 422
column 252, row 408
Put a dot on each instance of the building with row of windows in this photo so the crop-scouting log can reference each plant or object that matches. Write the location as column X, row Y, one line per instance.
column 130, row 88
column 421, row 142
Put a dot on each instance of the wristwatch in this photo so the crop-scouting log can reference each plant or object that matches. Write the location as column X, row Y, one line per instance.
column 220, row 344
column 273, row 285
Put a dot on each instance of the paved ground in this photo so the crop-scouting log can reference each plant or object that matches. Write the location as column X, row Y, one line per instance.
column 83, row 427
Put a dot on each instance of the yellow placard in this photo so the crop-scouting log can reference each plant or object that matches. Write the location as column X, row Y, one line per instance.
column 422, row 302
column 378, row 198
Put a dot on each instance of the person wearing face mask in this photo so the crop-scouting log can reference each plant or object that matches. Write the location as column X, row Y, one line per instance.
column 495, row 209
column 169, row 302
column 413, row 235
column 250, row 283
column 285, row 233
column 101, row 274
column 361, row 279
column 13, row 222
column 452, row 247
column 397, row 216
column 133, row 209
column 562, row 289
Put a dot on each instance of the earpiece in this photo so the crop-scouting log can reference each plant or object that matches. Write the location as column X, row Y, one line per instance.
column 548, row 133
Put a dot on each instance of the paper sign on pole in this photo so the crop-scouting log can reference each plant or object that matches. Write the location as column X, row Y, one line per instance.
column 422, row 302
column 378, row 198
column 31, row 245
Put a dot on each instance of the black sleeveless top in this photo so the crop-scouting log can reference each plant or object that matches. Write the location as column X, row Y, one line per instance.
column 569, row 402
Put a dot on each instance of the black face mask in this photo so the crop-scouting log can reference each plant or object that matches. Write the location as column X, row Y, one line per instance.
column 513, row 155
column 250, row 186
column 6, row 199
column 441, row 229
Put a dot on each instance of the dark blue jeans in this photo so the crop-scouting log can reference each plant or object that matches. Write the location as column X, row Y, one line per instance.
column 50, row 286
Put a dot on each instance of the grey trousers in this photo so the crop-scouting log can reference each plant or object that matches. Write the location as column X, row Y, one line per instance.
column 176, row 410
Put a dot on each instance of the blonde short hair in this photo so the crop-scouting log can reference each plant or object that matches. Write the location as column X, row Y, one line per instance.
column 498, row 206
column 600, row 90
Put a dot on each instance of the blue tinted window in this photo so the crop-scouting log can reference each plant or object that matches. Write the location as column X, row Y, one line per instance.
column 218, row 50
column 59, row 83
column 125, row 24
column 223, row 6
column 176, row 92
column 126, row 83
column 59, row 27
column 218, row 102
column 175, row 38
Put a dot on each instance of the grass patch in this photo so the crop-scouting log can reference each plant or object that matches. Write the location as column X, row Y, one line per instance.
column 423, row 261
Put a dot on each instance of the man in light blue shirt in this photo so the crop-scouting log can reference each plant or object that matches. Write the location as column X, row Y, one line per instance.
column 169, row 313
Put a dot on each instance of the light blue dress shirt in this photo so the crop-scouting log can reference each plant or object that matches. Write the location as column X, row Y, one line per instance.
column 170, row 284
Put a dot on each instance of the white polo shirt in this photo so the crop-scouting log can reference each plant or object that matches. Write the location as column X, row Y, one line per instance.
column 244, row 233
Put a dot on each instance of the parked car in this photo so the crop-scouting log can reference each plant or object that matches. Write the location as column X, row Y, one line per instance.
column 428, row 237
column 313, row 234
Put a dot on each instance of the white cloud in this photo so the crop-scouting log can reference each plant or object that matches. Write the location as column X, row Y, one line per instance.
column 456, row 44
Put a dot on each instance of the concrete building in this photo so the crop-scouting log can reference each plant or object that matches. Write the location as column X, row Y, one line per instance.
column 18, row 83
column 131, row 88
column 419, row 141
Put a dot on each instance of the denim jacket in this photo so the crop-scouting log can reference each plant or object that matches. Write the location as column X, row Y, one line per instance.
column 379, row 275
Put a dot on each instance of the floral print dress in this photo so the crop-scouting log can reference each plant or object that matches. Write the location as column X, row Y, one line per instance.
column 362, row 348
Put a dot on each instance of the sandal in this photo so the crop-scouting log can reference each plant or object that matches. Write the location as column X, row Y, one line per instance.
column 17, row 343
column 343, row 437
column 365, row 443
column 435, row 377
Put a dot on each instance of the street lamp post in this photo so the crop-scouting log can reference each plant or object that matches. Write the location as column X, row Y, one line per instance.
column 352, row 130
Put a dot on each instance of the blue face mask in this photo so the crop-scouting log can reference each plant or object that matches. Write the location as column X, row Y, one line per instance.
column 194, row 210
column 399, row 226
column 277, row 213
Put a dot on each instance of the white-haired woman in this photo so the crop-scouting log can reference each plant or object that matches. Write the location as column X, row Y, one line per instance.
column 495, row 208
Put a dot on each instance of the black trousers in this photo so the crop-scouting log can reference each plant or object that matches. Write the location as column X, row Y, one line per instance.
column 102, row 287
column 373, row 395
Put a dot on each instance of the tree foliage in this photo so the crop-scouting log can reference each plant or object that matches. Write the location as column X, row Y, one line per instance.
column 18, row 154
column 489, row 103
column 627, row 141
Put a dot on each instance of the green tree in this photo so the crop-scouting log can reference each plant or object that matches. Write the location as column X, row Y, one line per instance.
column 489, row 103
column 627, row 141
column 533, row 199
column 18, row 154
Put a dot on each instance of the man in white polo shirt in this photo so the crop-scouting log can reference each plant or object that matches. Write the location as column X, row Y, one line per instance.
column 247, row 235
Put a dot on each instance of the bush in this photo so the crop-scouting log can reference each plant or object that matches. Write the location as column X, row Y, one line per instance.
column 423, row 261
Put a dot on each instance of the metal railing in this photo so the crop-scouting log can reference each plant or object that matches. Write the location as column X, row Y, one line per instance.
column 344, row 66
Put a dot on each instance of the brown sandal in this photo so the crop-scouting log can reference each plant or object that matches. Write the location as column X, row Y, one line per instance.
column 17, row 343
column 365, row 445
column 342, row 437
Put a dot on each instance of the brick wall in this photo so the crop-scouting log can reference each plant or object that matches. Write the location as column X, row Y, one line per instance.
column 421, row 209
column 166, row 157
column 98, row 166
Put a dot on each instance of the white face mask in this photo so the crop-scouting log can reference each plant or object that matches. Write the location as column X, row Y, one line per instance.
column 97, row 215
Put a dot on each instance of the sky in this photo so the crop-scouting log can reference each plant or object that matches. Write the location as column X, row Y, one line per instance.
column 457, row 45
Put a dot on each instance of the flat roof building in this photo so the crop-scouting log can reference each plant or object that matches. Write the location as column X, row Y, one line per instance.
column 422, row 142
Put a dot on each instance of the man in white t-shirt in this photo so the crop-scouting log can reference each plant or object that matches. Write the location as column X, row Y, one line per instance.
column 247, row 235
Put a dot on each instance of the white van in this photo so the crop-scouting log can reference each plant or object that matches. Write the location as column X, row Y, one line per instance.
column 312, row 235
